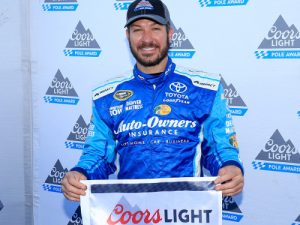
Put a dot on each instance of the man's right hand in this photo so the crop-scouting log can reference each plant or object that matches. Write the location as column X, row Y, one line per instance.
column 71, row 186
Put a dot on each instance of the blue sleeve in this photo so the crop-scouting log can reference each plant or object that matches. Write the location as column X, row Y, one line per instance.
column 98, row 156
column 219, row 146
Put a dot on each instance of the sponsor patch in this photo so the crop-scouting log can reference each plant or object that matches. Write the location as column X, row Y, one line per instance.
column 123, row 95
column 162, row 110
column 233, row 141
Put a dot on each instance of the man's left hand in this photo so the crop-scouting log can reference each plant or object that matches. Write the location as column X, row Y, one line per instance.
column 230, row 180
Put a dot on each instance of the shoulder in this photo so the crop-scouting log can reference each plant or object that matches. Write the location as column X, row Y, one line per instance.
column 109, row 86
column 200, row 78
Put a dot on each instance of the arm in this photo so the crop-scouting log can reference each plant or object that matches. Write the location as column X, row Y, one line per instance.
column 98, row 156
column 96, row 161
column 220, row 150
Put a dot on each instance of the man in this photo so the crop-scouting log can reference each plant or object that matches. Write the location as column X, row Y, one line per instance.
column 161, row 120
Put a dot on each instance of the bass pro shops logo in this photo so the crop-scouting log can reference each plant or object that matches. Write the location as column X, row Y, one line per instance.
column 60, row 5
column 78, row 135
column 181, row 46
column 122, row 4
column 82, row 43
column 221, row 3
column 123, row 213
column 278, row 155
column 236, row 104
column 53, row 181
column 281, row 36
column 76, row 218
column 61, row 91
column 231, row 211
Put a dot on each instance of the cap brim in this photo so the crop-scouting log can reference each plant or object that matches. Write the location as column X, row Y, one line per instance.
column 156, row 18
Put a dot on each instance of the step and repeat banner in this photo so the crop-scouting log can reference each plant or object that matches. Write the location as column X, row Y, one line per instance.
column 253, row 44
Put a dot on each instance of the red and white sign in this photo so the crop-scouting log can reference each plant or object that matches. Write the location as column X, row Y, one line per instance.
column 165, row 201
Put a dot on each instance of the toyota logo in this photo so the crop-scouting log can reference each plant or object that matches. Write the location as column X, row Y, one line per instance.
column 178, row 87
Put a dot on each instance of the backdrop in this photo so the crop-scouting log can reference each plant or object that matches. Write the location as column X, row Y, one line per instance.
column 253, row 44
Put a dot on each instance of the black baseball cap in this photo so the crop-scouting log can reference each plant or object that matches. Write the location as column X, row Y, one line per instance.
column 150, row 9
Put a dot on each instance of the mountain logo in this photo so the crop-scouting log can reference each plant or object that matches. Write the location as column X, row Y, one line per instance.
column 231, row 211
column 281, row 42
column 122, row 4
column 78, row 135
column 53, row 181
column 297, row 221
column 60, row 5
column 76, row 218
column 61, row 91
column 222, row 3
column 1, row 206
column 236, row 104
column 278, row 155
column 181, row 46
column 82, row 43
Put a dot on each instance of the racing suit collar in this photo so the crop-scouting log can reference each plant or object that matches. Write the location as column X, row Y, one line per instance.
column 154, row 79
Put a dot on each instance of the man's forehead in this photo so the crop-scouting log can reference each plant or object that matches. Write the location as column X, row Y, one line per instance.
column 145, row 21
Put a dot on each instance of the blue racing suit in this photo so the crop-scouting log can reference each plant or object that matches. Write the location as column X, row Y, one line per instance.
column 167, row 125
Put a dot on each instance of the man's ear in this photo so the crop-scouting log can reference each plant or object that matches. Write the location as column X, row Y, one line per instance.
column 170, row 34
column 127, row 33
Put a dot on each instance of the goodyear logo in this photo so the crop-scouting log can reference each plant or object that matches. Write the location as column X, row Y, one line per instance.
column 281, row 42
column 278, row 155
column 122, row 4
column 222, row 3
column 60, row 5
column 181, row 47
column 123, row 95
column 82, row 43
column 162, row 110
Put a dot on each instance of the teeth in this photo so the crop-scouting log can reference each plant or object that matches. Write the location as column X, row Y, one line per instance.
column 148, row 49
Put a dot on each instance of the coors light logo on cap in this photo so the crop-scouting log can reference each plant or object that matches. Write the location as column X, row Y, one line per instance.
column 150, row 9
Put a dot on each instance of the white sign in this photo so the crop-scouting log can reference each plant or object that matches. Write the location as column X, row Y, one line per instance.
column 166, row 201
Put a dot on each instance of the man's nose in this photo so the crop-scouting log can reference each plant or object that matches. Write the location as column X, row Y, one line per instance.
column 147, row 36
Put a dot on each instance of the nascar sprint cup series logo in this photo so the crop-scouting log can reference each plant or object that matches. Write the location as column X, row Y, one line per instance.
column 53, row 181
column 221, row 3
column 122, row 4
column 78, row 135
column 61, row 91
column 236, row 104
column 60, row 5
column 181, row 46
column 82, row 43
column 281, row 42
column 278, row 155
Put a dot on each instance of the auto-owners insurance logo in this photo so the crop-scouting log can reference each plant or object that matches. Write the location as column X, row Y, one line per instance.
column 61, row 91
column 82, row 43
column 60, row 5
column 281, row 42
column 278, row 155
column 221, row 3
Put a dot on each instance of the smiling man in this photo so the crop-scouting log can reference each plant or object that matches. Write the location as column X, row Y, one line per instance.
column 161, row 120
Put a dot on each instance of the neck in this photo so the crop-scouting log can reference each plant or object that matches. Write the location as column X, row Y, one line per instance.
column 159, row 68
